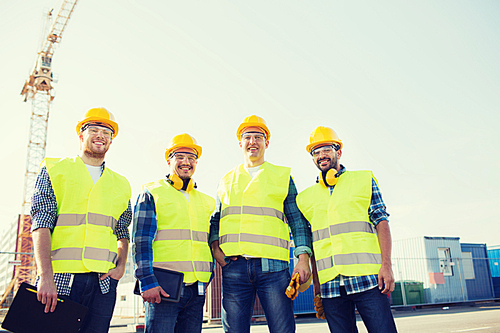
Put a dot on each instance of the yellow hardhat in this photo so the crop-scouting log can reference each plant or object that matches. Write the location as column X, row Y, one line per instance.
column 322, row 134
column 98, row 115
column 253, row 121
column 182, row 140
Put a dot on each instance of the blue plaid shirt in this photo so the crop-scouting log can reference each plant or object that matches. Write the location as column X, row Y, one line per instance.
column 356, row 284
column 301, row 231
column 44, row 215
column 143, row 235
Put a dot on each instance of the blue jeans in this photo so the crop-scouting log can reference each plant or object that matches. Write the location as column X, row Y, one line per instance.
column 372, row 305
column 186, row 316
column 86, row 291
column 242, row 279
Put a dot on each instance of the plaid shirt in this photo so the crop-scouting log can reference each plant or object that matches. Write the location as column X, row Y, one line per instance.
column 144, row 234
column 298, row 224
column 356, row 284
column 44, row 215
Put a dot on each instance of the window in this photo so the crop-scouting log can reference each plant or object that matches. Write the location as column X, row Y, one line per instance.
column 445, row 263
column 468, row 265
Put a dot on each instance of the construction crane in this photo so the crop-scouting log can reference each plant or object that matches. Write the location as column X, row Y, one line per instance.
column 38, row 88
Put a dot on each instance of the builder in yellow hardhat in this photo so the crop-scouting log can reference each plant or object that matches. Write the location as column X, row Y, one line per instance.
column 171, row 225
column 249, row 235
column 351, row 240
column 81, row 212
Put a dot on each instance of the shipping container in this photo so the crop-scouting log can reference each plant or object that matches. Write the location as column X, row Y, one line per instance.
column 433, row 261
column 477, row 272
column 494, row 259
column 494, row 256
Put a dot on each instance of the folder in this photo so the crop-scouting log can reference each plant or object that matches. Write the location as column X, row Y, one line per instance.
column 170, row 281
column 26, row 314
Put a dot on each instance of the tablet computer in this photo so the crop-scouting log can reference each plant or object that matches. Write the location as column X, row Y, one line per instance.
column 27, row 314
column 170, row 281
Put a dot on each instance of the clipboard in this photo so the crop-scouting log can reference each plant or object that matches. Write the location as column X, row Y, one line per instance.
column 170, row 281
column 26, row 314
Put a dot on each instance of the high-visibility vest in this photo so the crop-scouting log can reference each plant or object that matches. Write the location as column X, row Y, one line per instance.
column 83, row 239
column 344, row 240
column 181, row 242
column 252, row 220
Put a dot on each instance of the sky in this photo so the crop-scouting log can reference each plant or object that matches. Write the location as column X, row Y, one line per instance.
column 411, row 88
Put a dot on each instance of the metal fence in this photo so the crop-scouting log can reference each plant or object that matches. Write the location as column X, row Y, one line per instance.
column 419, row 281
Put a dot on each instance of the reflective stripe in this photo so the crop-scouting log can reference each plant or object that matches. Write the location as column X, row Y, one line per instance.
column 349, row 259
column 358, row 258
column 229, row 238
column 75, row 253
column 67, row 253
column 102, row 220
column 70, row 220
column 264, row 211
column 203, row 266
column 342, row 228
column 98, row 254
column 181, row 234
column 200, row 236
column 259, row 239
column 173, row 234
column 73, row 220
column 184, row 266
column 324, row 263
column 268, row 240
column 353, row 226
column 320, row 234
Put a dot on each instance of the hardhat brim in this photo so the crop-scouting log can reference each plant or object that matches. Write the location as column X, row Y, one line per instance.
column 310, row 146
column 191, row 146
column 111, row 123
column 252, row 124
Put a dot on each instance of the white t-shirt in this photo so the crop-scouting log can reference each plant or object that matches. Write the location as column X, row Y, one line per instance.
column 95, row 172
column 185, row 194
column 253, row 171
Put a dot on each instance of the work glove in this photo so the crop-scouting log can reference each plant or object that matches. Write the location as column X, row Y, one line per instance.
column 318, row 306
column 293, row 288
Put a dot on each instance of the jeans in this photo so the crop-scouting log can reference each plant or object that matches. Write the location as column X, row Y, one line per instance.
column 86, row 291
column 242, row 279
column 372, row 305
column 186, row 316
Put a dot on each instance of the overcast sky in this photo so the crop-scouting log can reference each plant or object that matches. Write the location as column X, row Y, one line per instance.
column 411, row 88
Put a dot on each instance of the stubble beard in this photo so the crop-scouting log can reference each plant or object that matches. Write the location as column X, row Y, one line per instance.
column 93, row 154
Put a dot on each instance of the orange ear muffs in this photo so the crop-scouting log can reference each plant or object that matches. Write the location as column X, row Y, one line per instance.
column 329, row 178
column 178, row 183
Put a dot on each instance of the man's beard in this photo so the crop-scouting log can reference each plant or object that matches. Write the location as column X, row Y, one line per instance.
column 332, row 165
column 92, row 154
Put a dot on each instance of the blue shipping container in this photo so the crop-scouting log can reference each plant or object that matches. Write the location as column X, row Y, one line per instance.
column 494, row 255
column 477, row 271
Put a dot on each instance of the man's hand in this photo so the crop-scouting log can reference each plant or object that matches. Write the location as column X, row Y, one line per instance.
column 385, row 279
column 219, row 255
column 47, row 293
column 385, row 275
column 115, row 273
column 302, row 268
column 153, row 295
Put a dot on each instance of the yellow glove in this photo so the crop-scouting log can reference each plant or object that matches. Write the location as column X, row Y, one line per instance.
column 318, row 306
column 293, row 288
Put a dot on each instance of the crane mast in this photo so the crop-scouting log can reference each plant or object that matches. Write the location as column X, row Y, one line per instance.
column 38, row 88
